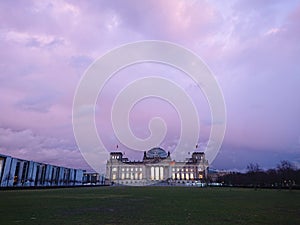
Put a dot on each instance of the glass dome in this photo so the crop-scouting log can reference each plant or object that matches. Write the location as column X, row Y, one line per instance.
column 156, row 152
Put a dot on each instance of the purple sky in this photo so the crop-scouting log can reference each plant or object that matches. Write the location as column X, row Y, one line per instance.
column 252, row 47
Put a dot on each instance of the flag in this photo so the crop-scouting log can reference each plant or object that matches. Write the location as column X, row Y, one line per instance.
column 196, row 145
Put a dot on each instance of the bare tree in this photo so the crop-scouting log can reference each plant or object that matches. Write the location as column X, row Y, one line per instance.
column 287, row 173
column 285, row 166
column 253, row 168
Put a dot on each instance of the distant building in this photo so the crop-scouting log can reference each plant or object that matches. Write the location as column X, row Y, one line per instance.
column 156, row 166
column 16, row 172
column 93, row 178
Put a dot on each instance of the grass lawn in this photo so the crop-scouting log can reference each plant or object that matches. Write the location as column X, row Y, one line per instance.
column 149, row 205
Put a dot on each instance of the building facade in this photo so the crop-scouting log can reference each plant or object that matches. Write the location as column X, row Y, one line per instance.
column 16, row 172
column 156, row 166
column 93, row 178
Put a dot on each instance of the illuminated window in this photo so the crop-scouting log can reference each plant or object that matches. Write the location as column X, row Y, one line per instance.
column 114, row 176
column 136, row 176
column 140, row 176
column 173, row 176
column 127, row 175
column 123, row 169
column 141, row 169
column 161, row 173
column 131, row 169
column 156, row 173
column 114, row 169
column 173, row 169
column 136, row 169
column 192, row 176
column 152, row 173
column 187, row 176
column 123, row 176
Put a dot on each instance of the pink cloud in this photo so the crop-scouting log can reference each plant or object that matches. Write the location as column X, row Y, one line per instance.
column 251, row 46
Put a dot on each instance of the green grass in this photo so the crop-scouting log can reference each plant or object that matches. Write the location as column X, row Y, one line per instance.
column 149, row 205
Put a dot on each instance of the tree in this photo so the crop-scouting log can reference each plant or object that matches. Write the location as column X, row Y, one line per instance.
column 287, row 172
column 286, row 166
column 253, row 168
column 254, row 174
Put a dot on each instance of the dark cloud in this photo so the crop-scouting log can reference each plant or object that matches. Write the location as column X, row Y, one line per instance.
column 233, row 158
column 28, row 145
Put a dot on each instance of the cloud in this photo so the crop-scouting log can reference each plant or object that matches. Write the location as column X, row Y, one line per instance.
column 40, row 103
column 251, row 46
column 26, row 144
column 232, row 157
column 80, row 61
column 32, row 40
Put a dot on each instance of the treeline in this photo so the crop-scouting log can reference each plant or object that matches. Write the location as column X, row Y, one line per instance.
column 285, row 175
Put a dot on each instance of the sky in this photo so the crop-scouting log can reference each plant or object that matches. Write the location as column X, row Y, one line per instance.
column 251, row 47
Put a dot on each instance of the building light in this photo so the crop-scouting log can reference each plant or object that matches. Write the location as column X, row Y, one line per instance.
column 155, row 169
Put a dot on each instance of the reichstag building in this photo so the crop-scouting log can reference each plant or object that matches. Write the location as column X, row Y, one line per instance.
column 156, row 166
